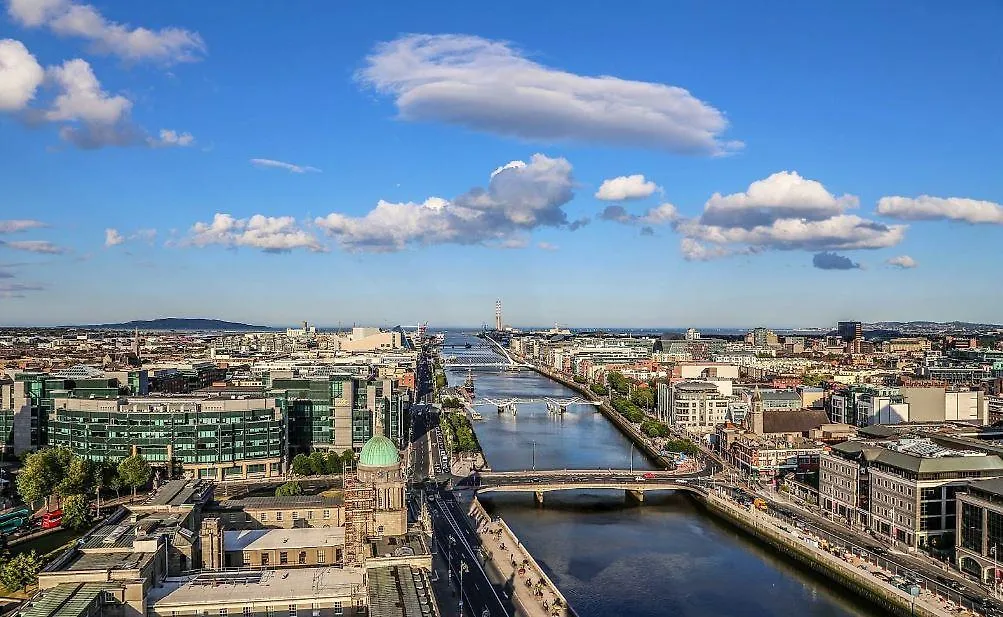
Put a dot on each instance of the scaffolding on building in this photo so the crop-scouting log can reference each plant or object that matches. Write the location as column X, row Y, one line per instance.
column 359, row 497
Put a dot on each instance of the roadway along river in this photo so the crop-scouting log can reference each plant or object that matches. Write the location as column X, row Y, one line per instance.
column 665, row 557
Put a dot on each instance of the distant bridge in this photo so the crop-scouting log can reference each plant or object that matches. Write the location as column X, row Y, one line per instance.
column 635, row 483
column 560, row 402
column 484, row 361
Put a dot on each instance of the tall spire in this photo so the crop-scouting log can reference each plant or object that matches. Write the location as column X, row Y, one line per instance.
column 135, row 342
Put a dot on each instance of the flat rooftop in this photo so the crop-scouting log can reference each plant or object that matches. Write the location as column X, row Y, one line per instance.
column 176, row 493
column 110, row 561
column 274, row 586
column 283, row 539
column 122, row 534
column 400, row 591
column 280, row 503
column 398, row 546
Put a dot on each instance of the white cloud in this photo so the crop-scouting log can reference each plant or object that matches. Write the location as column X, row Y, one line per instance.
column 490, row 86
column 112, row 237
column 783, row 212
column 693, row 250
column 82, row 97
column 546, row 246
column 68, row 18
column 272, row 234
column 509, row 165
column 623, row 188
column 20, row 75
column 902, row 261
column 169, row 138
column 16, row 290
column 14, row 225
column 518, row 198
column 89, row 117
column 296, row 169
column 783, row 195
column 926, row 207
column 33, row 246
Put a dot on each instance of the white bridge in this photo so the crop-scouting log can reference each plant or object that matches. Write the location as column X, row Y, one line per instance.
column 519, row 401
column 484, row 361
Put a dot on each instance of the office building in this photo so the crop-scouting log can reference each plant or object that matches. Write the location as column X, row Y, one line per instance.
column 696, row 405
column 850, row 331
column 980, row 529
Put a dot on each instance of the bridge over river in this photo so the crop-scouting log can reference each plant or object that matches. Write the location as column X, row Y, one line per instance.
column 634, row 483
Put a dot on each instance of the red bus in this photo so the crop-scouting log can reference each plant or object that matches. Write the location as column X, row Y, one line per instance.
column 53, row 519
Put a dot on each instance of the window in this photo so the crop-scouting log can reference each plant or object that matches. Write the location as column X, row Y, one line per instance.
column 292, row 610
column 283, row 557
column 315, row 609
column 327, row 514
column 264, row 517
column 268, row 611
column 338, row 610
column 302, row 558
column 222, row 612
column 278, row 515
column 321, row 556
column 264, row 559
column 296, row 515
column 309, row 514
column 247, row 611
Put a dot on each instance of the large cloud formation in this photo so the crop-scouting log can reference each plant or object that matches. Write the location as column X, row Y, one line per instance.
column 489, row 86
column 271, row 234
column 68, row 18
column 519, row 198
column 927, row 208
column 784, row 212
column 87, row 115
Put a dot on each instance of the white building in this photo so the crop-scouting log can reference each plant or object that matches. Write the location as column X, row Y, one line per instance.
column 696, row 405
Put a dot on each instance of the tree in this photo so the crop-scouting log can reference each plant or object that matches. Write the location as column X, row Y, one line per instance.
column 301, row 465
column 451, row 402
column 598, row 388
column 76, row 512
column 289, row 489
column 619, row 383
column 348, row 458
column 115, row 484
column 78, row 479
column 643, row 398
column 813, row 380
column 135, row 472
column 334, row 462
column 41, row 474
column 318, row 463
column 20, row 571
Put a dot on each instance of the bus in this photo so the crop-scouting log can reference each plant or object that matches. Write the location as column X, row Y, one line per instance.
column 53, row 519
column 13, row 519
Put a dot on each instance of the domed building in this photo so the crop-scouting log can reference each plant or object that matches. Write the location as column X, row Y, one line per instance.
column 380, row 468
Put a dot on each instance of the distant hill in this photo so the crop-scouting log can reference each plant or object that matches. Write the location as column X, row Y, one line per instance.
column 178, row 323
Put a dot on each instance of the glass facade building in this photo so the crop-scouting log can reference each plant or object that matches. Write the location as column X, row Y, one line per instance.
column 211, row 437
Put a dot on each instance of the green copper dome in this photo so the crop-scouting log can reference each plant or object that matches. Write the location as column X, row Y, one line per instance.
column 379, row 452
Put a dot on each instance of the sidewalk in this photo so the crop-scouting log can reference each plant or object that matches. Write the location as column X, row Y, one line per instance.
column 532, row 591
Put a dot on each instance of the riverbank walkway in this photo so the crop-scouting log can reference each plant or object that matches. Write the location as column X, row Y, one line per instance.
column 531, row 590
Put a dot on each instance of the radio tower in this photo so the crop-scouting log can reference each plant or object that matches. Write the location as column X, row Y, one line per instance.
column 498, row 316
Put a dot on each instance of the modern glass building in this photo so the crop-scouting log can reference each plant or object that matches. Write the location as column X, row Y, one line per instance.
column 212, row 437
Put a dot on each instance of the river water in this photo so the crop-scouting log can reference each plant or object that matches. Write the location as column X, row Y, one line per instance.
column 610, row 557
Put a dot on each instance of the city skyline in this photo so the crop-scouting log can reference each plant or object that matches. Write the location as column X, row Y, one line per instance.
column 164, row 162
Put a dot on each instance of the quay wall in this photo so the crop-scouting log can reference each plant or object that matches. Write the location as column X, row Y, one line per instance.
column 891, row 599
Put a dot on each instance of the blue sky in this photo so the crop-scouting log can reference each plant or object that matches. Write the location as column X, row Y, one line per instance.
column 790, row 164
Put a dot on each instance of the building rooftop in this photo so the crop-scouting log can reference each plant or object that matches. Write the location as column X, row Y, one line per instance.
column 283, row 539
column 993, row 486
column 398, row 546
column 291, row 585
column 277, row 503
column 110, row 561
column 799, row 421
column 177, row 493
column 400, row 591
column 696, row 386
column 123, row 533
column 65, row 600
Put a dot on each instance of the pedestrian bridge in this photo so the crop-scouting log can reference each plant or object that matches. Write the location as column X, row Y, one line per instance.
column 635, row 483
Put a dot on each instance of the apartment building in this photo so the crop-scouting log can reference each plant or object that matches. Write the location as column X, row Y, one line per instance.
column 696, row 405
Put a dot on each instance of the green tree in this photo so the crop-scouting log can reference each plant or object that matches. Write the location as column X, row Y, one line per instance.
column 41, row 473
column 289, row 489
column 451, row 402
column 643, row 398
column 318, row 463
column 814, row 380
column 598, row 388
column 301, row 465
column 20, row 571
column 619, row 383
column 78, row 479
column 334, row 462
column 76, row 512
column 135, row 472
column 115, row 484
column 348, row 459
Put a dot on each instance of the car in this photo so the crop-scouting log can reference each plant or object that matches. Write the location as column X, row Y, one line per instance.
column 649, row 476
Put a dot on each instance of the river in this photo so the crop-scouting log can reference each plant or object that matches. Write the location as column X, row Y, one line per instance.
column 610, row 557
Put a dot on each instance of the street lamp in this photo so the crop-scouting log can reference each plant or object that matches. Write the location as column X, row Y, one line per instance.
column 534, row 456
column 631, row 457
column 463, row 568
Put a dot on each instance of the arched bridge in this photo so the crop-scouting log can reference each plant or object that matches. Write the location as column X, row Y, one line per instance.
column 635, row 483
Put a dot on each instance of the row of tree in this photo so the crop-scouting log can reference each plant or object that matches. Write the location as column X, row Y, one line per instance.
column 72, row 480
column 318, row 463
column 462, row 434
column 19, row 571
column 654, row 428
column 451, row 402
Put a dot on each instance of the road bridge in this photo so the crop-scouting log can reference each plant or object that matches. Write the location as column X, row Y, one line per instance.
column 634, row 483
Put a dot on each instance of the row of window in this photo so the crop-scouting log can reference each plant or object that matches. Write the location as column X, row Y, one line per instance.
column 248, row 611
column 263, row 517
